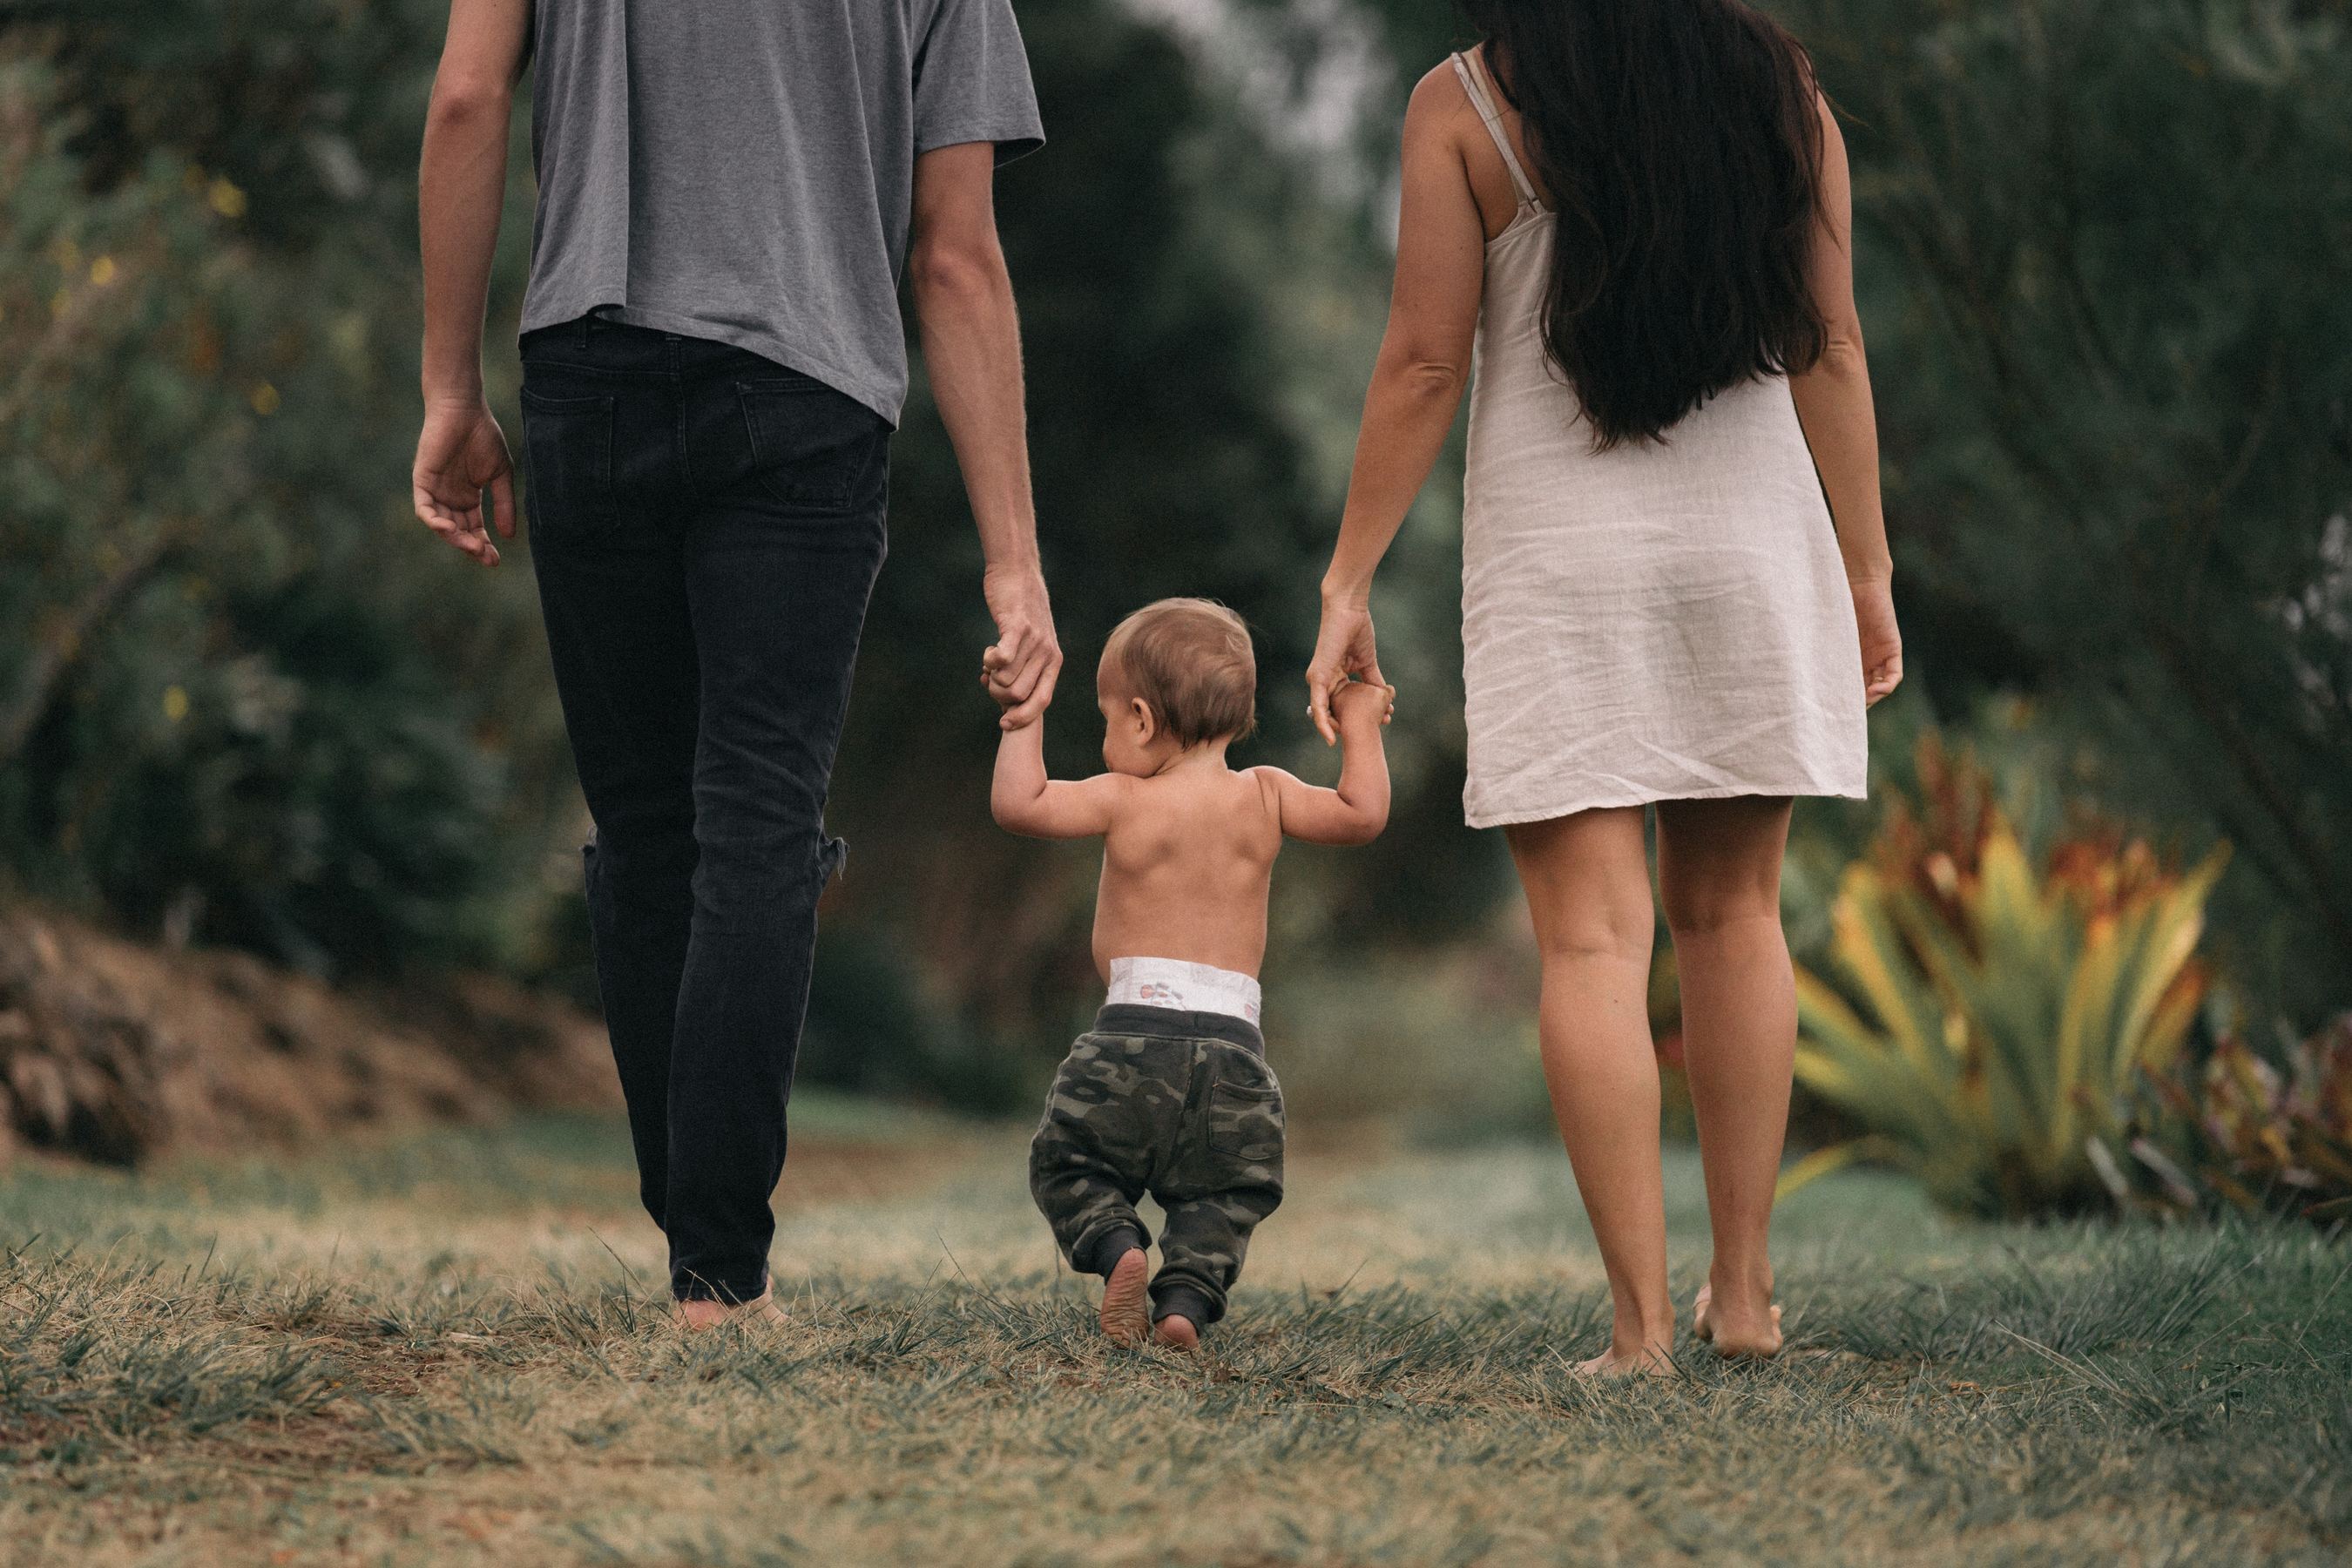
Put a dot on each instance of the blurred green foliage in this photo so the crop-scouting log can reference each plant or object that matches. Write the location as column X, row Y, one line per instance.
column 244, row 700
column 235, row 701
column 2103, row 245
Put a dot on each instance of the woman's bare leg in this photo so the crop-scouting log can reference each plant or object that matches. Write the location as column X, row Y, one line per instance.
column 1719, row 878
column 1588, row 884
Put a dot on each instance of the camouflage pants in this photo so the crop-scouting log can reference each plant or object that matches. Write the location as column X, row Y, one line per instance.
column 1179, row 1105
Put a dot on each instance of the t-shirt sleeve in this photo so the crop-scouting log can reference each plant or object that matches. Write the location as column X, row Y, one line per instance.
column 971, row 81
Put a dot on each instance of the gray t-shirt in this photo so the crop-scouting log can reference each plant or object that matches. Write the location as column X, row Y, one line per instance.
column 744, row 169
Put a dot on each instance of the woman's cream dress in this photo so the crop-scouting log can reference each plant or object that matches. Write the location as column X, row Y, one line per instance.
column 1664, row 621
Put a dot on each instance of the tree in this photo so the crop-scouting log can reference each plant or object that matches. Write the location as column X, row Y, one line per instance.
column 2105, row 246
column 237, row 700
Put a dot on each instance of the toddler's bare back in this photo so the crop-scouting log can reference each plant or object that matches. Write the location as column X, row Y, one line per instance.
column 1187, row 863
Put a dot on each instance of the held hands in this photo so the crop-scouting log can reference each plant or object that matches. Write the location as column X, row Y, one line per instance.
column 1882, row 639
column 1344, row 647
column 1020, row 669
column 460, row 453
column 1357, row 705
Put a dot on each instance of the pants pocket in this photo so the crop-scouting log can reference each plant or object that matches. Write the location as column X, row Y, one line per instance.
column 1245, row 1122
column 813, row 448
column 568, row 453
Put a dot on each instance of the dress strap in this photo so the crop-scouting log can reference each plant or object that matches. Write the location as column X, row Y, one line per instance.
column 1472, row 72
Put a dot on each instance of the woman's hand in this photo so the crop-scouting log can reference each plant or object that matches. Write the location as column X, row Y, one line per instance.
column 1882, row 639
column 1343, row 647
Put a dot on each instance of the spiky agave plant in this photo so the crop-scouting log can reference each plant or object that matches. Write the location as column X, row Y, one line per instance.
column 1996, row 1020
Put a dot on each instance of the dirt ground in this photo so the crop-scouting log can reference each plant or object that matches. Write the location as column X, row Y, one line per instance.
column 117, row 1052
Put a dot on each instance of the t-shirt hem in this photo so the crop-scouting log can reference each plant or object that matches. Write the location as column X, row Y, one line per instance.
column 767, row 346
column 1013, row 138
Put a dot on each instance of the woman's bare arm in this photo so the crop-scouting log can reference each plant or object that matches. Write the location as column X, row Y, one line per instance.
column 1417, row 381
column 1841, row 425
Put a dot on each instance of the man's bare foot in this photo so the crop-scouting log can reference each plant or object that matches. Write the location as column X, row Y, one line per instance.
column 1176, row 1332
column 1649, row 1360
column 1748, row 1336
column 1126, row 1305
column 761, row 1311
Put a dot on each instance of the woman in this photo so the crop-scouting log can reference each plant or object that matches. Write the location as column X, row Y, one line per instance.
column 1639, row 218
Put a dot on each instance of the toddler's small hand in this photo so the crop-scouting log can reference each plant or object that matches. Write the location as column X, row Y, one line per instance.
column 992, row 680
column 1362, row 697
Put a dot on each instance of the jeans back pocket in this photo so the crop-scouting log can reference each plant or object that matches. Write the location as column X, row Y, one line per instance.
column 812, row 446
column 568, row 450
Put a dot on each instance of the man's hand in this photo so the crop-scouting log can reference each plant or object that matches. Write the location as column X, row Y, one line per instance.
column 461, row 453
column 1022, row 665
column 461, row 184
column 971, row 352
column 1360, row 704
column 1343, row 647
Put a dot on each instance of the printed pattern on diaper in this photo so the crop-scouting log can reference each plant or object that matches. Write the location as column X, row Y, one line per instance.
column 1185, row 986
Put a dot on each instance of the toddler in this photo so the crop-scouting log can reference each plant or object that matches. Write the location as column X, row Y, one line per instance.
column 1168, row 1093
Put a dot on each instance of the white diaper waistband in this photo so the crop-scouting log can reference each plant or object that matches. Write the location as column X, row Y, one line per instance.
column 1184, row 988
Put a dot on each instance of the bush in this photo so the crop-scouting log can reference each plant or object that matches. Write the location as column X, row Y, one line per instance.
column 2001, row 1010
column 241, row 700
column 2256, row 1136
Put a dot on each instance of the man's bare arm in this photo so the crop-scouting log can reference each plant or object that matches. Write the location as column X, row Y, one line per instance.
column 461, row 186
column 972, row 348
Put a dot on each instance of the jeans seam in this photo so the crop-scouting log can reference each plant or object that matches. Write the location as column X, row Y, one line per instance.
column 682, row 449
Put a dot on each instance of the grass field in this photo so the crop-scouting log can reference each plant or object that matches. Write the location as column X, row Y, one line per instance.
column 447, row 1350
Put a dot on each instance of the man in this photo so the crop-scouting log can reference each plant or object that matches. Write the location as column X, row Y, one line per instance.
column 713, row 361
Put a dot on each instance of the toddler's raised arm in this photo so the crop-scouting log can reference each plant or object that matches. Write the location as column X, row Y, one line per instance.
column 1025, row 801
column 1356, row 810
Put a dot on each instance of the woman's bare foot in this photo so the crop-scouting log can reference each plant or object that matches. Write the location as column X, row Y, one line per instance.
column 1177, row 1334
column 1749, row 1333
column 1126, row 1306
column 761, row 1311
column 1645, row 1360
column 1759, row 1339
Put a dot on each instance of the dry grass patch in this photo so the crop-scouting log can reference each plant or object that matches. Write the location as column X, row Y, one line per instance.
column 1396, row 1384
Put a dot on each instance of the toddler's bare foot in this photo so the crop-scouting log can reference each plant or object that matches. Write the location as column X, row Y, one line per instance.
column 1646, row 1360
column 761, row 1311
column 1176, row 1332
column 1126, row 1307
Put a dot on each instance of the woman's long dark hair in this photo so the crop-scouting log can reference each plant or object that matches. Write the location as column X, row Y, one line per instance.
column 1680, row 144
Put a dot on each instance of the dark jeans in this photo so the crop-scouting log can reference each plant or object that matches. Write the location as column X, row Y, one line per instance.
column 706, row 526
